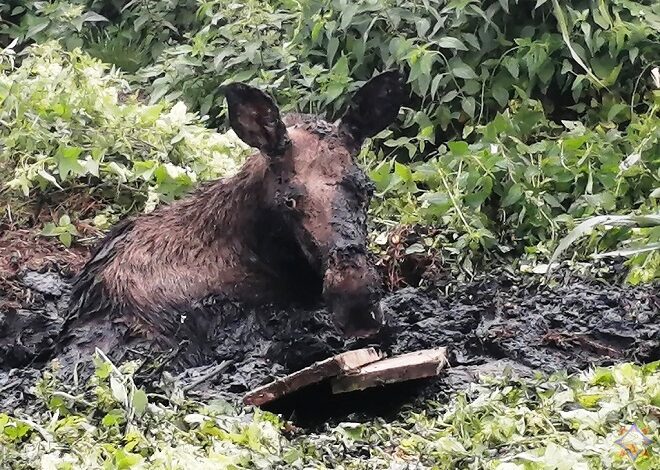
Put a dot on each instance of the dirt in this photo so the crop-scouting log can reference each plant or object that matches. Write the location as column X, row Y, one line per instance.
column 498, row 323
column 22, row 250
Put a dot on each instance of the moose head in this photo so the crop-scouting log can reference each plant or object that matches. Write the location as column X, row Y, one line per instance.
column 314, row 185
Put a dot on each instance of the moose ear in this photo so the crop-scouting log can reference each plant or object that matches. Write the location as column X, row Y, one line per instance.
column 255, row 118
column 374, row 106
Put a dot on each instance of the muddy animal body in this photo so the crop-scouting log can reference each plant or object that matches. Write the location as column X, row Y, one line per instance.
column 289, row 226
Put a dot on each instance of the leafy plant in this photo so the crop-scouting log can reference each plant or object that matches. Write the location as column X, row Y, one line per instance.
column 64, row 230
column 645, row 249
column 524, row 179
column 69, row 123
column 28, row 21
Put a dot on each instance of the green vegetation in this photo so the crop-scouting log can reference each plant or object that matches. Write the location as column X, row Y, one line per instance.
column 533, row 129
column 525, row 120
column 505, row 424
column 72, row 125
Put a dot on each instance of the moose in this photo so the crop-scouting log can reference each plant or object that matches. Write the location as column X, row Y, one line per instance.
column 290, row 225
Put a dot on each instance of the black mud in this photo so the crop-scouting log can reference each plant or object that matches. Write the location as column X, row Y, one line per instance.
column 489, row 325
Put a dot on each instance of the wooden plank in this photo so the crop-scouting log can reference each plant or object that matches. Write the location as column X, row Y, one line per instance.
column 317, row 372
column 410, row 366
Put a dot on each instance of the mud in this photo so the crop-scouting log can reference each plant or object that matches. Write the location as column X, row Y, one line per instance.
column 493, row 324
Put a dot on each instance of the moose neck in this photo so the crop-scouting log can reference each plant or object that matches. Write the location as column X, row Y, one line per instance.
column 235, row 214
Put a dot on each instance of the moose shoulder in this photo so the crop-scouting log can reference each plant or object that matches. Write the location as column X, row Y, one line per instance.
column 290, row 224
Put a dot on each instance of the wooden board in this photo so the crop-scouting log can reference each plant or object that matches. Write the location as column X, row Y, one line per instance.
column 317, row 372
column 410, row 366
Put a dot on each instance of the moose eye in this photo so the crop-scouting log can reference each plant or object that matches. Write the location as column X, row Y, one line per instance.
column 290, row 203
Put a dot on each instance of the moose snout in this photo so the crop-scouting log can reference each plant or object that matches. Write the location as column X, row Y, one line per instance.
column 359, row 320
column 353, row 295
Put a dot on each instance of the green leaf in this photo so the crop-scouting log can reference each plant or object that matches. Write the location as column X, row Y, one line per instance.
column 353, row 431
column 380, row 173
column 316, row 30
column 415, row 248
column 50, row 230
column 448, row 42
column 469, row 104
column 37, row 28
column 91, row 166
column 139, row 22
column 118, row 390
column 589, row 226
column 145, row 169
column 113, row 418
column 513, row 195
column 103, row 369
column 501, row 95
column 458, row 148
column 67, row 160
column 422, row 25
column 426, row 63
column 462, row 70
column 347, row 15
column 435, row 203
column 333, row 45
column 435, row 83
column 140, row 401
column 615, row 110
column 292, row 455
column 126, row 460
column 450, row 95
column 627, row 252
column 334, row 91
column 602, row 376
column 48, row 177
column 512, row 66
column 66, row 239
column 563, row 27
column 94, row 17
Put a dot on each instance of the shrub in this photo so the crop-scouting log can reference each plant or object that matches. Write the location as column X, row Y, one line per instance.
column 70, row 123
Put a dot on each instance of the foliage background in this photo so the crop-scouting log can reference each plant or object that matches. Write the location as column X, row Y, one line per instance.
column 526, row 117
